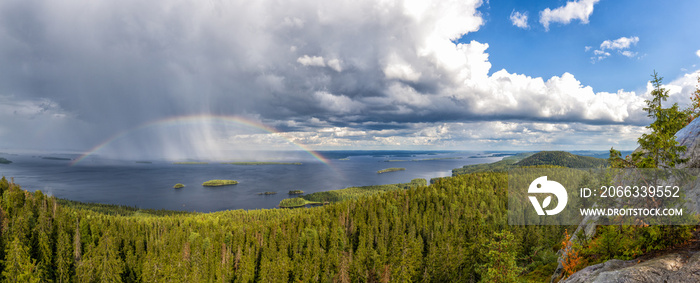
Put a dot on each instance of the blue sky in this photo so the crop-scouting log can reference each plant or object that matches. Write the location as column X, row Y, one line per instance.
column 342, row 74
column 667, row 34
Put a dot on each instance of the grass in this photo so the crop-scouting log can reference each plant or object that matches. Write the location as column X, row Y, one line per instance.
column 217, row 183
column 178, row 186
column 190, row 163
column 393, row 169
column 296, row 192
column 262, row 163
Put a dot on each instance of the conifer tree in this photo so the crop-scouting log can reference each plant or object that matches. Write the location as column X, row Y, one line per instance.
column 19, row 266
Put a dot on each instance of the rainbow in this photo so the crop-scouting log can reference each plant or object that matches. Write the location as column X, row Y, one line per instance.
column 175, row 120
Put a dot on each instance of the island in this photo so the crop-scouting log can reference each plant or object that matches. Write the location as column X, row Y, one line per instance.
column 296, row 202
column 56, row 158
column 393, row 169
column 178, row 186
column 267, row 193
column 218, row 183
column 296, row 192
column 4, row 161
column 262, row 163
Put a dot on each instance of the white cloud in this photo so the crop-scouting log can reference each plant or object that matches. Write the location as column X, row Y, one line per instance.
column 519, row 19
column 697, row 53
column 628, row 53
column 573, row 10
column 319, row 61
column 620, row 45
column 307, row 60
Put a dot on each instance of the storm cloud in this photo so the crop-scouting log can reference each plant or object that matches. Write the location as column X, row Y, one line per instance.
column 379, row 72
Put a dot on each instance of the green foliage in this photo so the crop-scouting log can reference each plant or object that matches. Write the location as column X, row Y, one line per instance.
column 217, row 183
column 178, row 186
column 352, row 193
column 117, row 210
column 694, row 109
column 659, row 148
column 267, row 193
column 501, row 260
column 295, row 202
column 393, row 169
column 296, row 192
column 563, row 159
column 19, row 266
column 4, row 161
column 500, row 166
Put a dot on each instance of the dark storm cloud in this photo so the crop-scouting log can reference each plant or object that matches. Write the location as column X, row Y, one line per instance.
column 112, row 65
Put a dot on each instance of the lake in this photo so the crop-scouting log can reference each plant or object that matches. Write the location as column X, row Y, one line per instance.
column 149, row 184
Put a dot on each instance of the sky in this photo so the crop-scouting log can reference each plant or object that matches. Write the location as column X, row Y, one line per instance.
column 116, row 78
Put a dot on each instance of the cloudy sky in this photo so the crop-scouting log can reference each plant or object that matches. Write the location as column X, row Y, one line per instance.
column 470, row 75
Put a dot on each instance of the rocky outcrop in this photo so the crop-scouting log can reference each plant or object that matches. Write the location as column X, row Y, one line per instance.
column 689, row 137
column 674, row 267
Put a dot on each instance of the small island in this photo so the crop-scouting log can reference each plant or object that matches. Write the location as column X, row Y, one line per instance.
column 296, row 202
column 296, row 192
column 4, row 161
column 178, row 186
column 267, row 193
column 56, row 158
column 393, row 169
column 262, row 163
column 218, row 183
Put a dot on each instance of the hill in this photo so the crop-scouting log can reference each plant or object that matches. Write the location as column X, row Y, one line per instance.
column 563, row 159
column 498, row 166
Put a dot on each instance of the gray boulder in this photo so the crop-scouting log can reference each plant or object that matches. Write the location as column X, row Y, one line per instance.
column 674, row 267
column 689, row 137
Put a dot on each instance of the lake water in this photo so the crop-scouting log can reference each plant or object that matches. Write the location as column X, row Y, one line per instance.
column 150, row 185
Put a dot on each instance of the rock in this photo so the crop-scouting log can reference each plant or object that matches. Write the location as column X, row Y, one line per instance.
column 689, row 137
column 674, row 267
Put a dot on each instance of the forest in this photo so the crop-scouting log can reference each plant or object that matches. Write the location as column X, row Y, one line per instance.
column 455, row 230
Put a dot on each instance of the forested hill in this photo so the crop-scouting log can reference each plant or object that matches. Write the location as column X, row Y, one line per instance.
column 562, row 158
column 555, row 158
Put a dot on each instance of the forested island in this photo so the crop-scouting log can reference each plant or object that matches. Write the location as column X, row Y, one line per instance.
column 4, row 161
column 262, row 163
column 393, row 169
column 218, row 183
